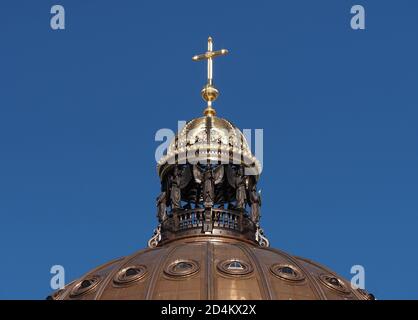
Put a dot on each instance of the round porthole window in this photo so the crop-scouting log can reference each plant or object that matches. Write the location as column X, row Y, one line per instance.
column 334, row 283
column 85, row 286
column 56, row 295
column 287, row 272
column 366, row 295
column 235, row 267
column 182, row 268
column 130, row 274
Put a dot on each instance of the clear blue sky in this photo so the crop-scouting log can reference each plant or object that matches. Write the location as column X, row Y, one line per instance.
column 79, row 109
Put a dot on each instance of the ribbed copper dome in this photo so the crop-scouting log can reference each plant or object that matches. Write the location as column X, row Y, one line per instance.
column 211, row 268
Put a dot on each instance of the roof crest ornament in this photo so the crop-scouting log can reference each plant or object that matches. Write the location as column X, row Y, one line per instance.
column 209, row 92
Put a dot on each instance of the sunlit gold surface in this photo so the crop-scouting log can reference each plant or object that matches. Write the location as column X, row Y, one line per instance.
column 216, row 139
column 209, row 92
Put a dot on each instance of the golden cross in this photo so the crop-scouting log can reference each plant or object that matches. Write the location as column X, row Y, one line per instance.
column 209, row 55
column 209, row 92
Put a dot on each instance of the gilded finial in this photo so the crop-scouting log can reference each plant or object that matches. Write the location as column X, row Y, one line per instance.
column 209, row 92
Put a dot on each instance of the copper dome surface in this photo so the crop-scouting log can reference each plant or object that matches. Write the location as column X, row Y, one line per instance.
column 202, row 273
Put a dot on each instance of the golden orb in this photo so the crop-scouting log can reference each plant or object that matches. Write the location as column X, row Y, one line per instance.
column 209, row 93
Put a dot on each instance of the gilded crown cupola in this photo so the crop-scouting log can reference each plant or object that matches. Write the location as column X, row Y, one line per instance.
column 209, row 177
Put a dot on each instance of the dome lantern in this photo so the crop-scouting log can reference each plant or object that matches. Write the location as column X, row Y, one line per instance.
column 209, row 178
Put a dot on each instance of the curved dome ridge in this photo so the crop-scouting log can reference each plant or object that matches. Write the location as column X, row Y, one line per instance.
column 207, row 269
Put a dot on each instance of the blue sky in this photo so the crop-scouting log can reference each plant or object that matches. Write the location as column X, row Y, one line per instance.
column 79, row 109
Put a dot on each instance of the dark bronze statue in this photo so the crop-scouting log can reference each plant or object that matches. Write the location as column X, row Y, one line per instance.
column 208, row 178
column 179, row 179
column 208, row 189
column 175, row 192
column 255, row 200
column 162, row 206
column 237, row 180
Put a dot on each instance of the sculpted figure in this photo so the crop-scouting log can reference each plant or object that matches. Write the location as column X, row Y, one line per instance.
column 179, row 179
column 208, row 178
column 162, row 206
column 255, row 200
column 237, row 180
column 175, row 193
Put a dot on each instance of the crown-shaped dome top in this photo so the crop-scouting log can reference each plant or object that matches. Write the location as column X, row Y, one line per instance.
column 210, row 140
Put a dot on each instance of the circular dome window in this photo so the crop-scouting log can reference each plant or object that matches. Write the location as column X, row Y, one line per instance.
column 366, row 295
column 235, row 267
column 85, row 286
column 130, row 274
column 55, row 295
column 287, row 272
column 182, row 268
column 334, row 283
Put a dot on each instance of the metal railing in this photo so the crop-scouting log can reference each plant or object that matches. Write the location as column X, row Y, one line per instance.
column 221, row 218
